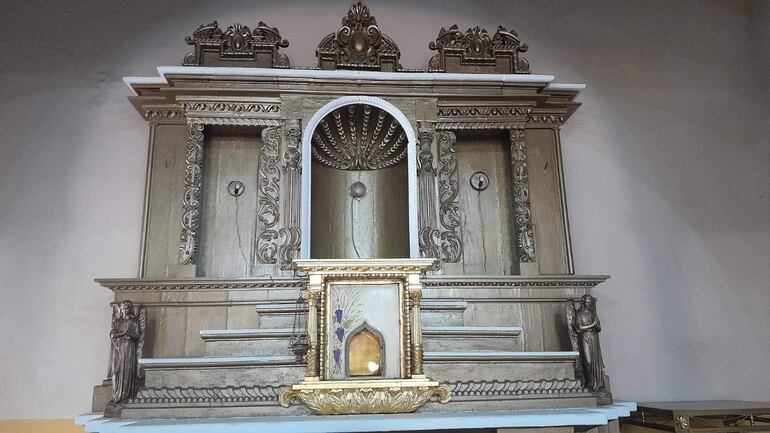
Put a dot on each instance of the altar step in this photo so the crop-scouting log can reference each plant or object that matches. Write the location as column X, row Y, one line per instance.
column 274, row 341
column 281, row 313
column 277, row 370
column 249, row 385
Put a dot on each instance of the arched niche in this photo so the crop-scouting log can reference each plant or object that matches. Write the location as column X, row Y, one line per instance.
column 307, row 166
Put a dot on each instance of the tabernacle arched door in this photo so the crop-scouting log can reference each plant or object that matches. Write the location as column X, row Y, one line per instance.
column 341, row 134
column 365, row 352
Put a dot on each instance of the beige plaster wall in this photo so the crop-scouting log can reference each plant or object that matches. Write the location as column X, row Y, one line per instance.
column 667, row 167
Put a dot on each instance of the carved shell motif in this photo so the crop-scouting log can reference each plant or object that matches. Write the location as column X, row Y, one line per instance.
column 359, row 137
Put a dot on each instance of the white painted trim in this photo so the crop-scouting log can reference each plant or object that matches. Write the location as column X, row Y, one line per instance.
column 354, row 75
column 216, row 361
column 546, row 80
column 481, row 356
column 129, row 81
column 411, row 156
column 566, row 87
column 364, row 423
column 472, row 331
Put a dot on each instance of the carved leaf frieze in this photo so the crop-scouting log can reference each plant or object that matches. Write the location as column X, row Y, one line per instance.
column 163, row 113
column 483, row 111
column 240, row 394
column 232, row 107
column 546, row 118
column 366, row 400
column 517, row 387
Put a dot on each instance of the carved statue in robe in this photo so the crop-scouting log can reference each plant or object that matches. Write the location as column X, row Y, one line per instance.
column 584, row 327
column 127, row 340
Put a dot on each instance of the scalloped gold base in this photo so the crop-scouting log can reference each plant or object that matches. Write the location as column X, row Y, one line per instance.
column 365, row 396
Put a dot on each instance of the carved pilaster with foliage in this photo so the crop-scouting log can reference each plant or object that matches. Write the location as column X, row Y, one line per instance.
column 292, row 172
column 429, row 235
column 525, row 237
column 449, row 207
column 268, row 194
column 191, row 199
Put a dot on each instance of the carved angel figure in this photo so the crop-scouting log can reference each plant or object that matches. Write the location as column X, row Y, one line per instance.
column 127, row 337
column 584, row 328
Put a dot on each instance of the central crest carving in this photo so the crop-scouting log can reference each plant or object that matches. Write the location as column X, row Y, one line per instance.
column 359, row 36
column 359, row 137
column 358, row 44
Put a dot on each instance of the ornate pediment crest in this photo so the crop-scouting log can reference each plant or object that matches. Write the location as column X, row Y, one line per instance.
column 358, row 44
column 475, row 51
column 238, row 43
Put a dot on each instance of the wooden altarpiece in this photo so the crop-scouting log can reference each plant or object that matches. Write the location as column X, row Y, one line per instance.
column 259, row 175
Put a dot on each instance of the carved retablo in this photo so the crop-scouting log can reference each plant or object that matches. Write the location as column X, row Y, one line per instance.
column 352, row 237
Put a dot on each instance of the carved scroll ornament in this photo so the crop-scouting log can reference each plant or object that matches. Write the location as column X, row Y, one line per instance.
column 193, row 186
column 449, row 207
column 525, row 237
column 268, row 191
column 358, row 44
column 428, row 235
column 237, row 43
column 475, row 51
column 292, row 169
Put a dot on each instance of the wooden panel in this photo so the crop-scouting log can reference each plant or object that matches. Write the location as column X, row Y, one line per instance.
column 551, row 240
column 487, row 222
column 381, row 217
column 555, row 336
column 164, row 199
column 532, row 327
column 169, row 332
column 203, row 318
column 226, row 247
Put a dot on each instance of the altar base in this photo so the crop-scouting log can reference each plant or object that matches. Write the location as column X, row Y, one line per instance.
column 603, row 418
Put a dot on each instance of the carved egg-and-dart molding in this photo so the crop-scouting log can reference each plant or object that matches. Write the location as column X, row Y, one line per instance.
column 359, row 137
